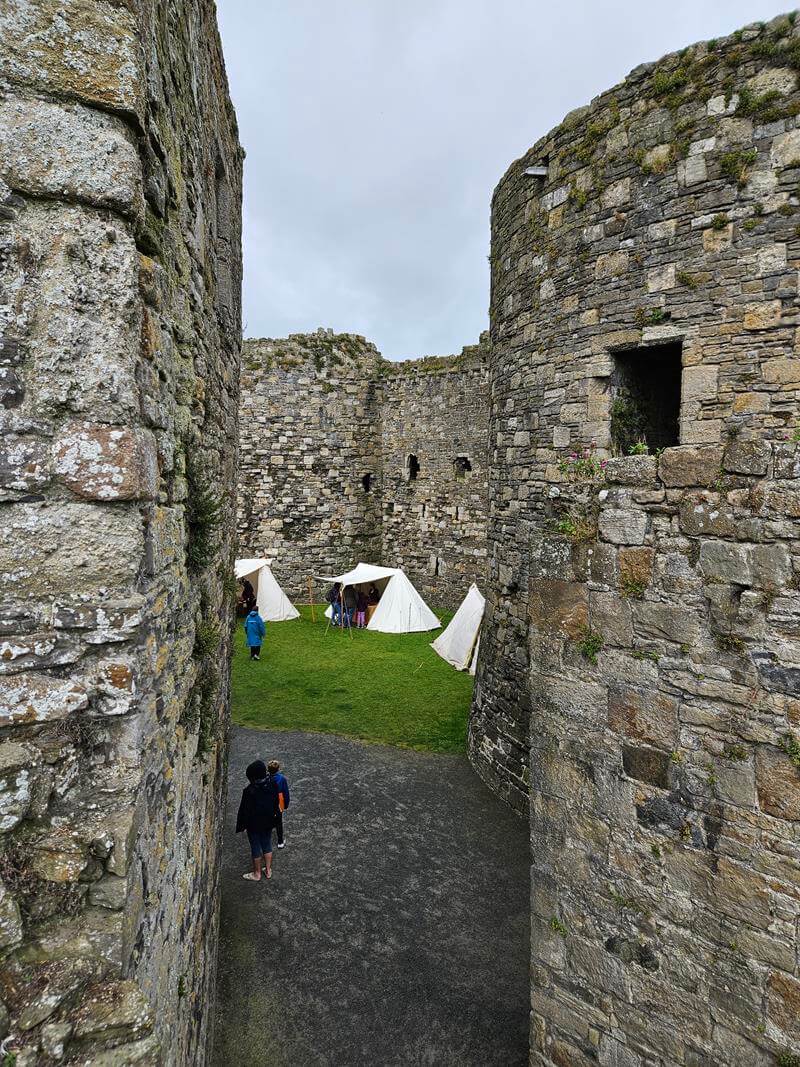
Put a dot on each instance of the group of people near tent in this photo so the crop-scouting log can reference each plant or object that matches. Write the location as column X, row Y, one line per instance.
column 367, row 597
column 352, row 603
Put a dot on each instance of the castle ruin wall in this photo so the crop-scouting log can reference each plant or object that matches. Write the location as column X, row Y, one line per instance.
column 642, row 634
column 120, row 185
column 347, row 456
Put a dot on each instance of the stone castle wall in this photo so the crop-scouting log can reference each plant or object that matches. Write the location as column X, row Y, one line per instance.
column 643, row 609
column 120, row 185
column 327, row 429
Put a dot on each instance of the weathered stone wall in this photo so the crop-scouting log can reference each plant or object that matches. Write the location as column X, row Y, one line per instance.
column 310, row 430
column 643, row 615
column 434, row 525
column 120, row 182
column 327, row 429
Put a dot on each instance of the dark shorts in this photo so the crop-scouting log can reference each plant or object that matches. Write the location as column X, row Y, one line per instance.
column 260, row 844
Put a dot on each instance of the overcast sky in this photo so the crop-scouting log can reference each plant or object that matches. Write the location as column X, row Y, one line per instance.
column 376, row 130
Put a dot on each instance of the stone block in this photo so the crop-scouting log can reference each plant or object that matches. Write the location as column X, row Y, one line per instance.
column 721, row 561
column 661, row 278
column 610, row 616
column 617, row 193
column 117, row 1007
column 88, row 52
column 17, row 763
column 11, row 930
column 781, row 370
column 110, row 892
column 785, row 149
column 611, row 264
column 643, row 716
column 698, row 431
column 24, row 463
column 662, row 231
column 648, row 765
column 631, row 470
column 699, row 382
column 687, row 465
column 559, row 605
column 787, row 460
column 747, row 457
column 699, row 516
column 44, row 545
column 771, row 259
column 741, row 893
column 39, row 698
column 106, row 462
column 783, row 1005
column 622, row 526
column 69, row 151
column 692, row 170
column 762, row 316
column 668, row 622
column 770, row 566
column 777, row 783
column 635, row 568
column 717, row 240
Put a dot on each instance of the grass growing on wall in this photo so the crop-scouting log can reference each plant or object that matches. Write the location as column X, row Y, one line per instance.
column 390, row 688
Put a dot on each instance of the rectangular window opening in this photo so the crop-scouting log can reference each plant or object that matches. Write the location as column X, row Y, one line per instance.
column 645, row 398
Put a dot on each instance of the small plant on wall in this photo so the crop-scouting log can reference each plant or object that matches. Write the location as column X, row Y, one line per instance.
column 583, row 465
column 627, row 427
column 578, row 526
column 590, row 644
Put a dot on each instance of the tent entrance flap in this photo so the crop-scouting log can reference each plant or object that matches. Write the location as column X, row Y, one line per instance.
column 272, row 603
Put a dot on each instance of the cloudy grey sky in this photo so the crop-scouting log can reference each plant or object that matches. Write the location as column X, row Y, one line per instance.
column 376, row 130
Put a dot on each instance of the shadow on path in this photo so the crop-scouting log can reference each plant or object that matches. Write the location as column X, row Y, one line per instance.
column 395, row 927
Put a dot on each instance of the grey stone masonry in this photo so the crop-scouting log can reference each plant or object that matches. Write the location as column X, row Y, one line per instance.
column 643, row 624
column 328, row 432
column 120, row 185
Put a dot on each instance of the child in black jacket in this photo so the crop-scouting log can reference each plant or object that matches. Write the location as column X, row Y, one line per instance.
column 258, row 814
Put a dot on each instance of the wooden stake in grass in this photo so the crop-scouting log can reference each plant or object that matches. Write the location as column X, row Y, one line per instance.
column 311, row 597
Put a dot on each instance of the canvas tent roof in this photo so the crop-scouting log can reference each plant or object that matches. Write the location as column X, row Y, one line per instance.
column 401, row 609
column 458, row 643
column 273, row 604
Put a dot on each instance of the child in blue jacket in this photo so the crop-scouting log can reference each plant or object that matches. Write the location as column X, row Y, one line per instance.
column 255, row 630
column 282, row 786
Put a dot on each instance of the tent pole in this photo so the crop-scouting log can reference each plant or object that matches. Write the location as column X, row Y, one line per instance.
column 311, row 598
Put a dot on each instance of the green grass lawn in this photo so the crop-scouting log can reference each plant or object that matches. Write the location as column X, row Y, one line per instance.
column 391, row 688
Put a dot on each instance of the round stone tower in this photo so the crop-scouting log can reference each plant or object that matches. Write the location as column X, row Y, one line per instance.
column 640, row 662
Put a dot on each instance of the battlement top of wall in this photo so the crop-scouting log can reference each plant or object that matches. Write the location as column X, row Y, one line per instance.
column 326, row 350
column 676, row 80
column 471, row 357
column 350, row 353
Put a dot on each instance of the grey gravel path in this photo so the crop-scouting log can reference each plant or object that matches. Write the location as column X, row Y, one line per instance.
column 395, row 927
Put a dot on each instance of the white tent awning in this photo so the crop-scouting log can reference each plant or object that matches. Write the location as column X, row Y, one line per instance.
column 458, row 642
column 273, row 604
column 401, row 609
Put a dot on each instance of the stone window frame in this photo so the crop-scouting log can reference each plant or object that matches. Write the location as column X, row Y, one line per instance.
column 412, row 467
column 601, row 368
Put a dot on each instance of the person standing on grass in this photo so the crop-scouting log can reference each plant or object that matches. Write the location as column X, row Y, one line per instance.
column 282, row 786
column 335, row 601
column 248, row 597
column 349, row 604
column 255, row 630
column 258, row 814
column 361, row 609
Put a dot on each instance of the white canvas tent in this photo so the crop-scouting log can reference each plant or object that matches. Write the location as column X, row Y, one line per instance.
column 458, row 644
column 401, row 610
column 273, row 604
